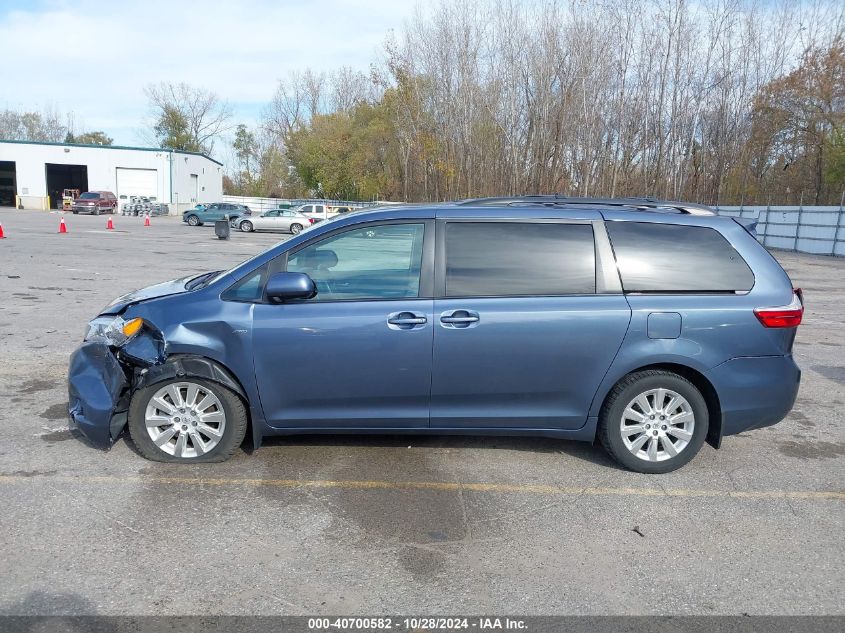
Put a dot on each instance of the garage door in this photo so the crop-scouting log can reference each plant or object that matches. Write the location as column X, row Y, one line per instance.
column 136, row 182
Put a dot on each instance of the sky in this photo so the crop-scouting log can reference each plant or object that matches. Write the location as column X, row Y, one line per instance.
column 94, row 57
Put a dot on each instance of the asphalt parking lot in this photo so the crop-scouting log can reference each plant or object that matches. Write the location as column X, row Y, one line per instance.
column 388, row 525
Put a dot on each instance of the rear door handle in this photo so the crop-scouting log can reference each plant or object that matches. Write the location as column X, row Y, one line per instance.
column 405, row 320
column 467, row 319
column 459, row 318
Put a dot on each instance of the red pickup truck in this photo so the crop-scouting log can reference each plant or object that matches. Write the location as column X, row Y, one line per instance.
column 95, row 202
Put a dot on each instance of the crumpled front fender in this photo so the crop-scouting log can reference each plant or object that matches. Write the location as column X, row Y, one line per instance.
column 96, row 383
column 180, row 366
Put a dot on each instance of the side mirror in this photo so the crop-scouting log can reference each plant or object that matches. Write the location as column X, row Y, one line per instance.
column 287, row 286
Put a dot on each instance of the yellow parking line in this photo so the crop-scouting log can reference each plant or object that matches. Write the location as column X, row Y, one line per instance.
column 540, row 489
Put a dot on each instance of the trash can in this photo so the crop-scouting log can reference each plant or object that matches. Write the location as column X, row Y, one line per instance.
column 221, row 228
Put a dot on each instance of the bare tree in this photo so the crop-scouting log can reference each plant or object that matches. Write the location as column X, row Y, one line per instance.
column 349, row 87
column 584, row 97
column 47, row 125
column 190, row 117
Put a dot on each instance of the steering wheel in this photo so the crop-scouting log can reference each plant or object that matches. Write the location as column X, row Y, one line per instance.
column 324, row 286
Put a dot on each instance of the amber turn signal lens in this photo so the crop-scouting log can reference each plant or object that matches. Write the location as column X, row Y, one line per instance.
column 130, row 328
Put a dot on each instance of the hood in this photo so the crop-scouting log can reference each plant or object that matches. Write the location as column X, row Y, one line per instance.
column 173, row 287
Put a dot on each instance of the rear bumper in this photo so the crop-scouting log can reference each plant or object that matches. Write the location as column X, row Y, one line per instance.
column 96, row 383
column 755, row 391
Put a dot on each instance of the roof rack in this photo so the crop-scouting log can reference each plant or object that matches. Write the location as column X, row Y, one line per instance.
column 555, row 200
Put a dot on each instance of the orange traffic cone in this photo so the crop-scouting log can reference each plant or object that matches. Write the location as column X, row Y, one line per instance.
column 110, row 225
column 1, row 231
column 147, row 220
column 62, row 227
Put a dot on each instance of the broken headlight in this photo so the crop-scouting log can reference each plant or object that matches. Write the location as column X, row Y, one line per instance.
column 112, row 330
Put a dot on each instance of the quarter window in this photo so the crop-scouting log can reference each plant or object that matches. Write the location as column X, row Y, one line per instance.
column 519, row 258
column 654, row 257
column 374, row 262
column 250, row 288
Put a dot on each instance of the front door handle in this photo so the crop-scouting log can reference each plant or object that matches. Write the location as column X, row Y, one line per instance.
column 405, row 320
column 459, row 318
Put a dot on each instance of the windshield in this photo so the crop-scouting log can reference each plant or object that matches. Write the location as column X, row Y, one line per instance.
column 89, row 196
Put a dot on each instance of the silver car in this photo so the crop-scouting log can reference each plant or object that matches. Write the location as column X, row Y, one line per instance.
column 274, row 220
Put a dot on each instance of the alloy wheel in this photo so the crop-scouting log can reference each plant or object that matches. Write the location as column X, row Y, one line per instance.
column 657, row 425
column 185, row 419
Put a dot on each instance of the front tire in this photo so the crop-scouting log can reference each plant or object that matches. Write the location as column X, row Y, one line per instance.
column 246, row 226
column 187, row 420
column 193, row 220
column 653, row 422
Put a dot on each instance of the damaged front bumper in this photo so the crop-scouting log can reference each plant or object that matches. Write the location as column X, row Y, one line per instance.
column 97, row 387
column 99, row 381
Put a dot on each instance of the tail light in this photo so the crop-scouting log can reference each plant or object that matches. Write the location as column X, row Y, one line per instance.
column 311, row 220
column 783, row 316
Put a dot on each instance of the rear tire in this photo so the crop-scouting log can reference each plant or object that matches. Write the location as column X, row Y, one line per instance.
column 223, row 401
column 296, row 229
column 663, row 433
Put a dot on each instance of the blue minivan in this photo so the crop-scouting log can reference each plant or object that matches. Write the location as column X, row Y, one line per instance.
column 652, row 326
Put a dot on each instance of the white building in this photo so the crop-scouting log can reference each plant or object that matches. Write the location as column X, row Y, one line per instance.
column 33, row 175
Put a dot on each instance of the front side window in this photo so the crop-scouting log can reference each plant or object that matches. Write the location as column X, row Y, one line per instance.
column 488, row 259
column 654, row 257
column 89, row 196
column 374, row 262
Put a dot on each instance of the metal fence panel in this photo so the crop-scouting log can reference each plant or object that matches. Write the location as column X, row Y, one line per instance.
column 805, row 229
column 264, row 204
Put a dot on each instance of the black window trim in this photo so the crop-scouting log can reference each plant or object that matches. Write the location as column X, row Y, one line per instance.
column 602, row 288
column 280, row 263
column 687, row 293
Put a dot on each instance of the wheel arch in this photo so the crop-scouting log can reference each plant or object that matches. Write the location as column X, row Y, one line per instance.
column 194, row 365
column 700, row 381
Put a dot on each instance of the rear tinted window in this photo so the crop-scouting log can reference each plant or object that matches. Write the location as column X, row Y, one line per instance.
column 671, row 257
column 507, row 259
